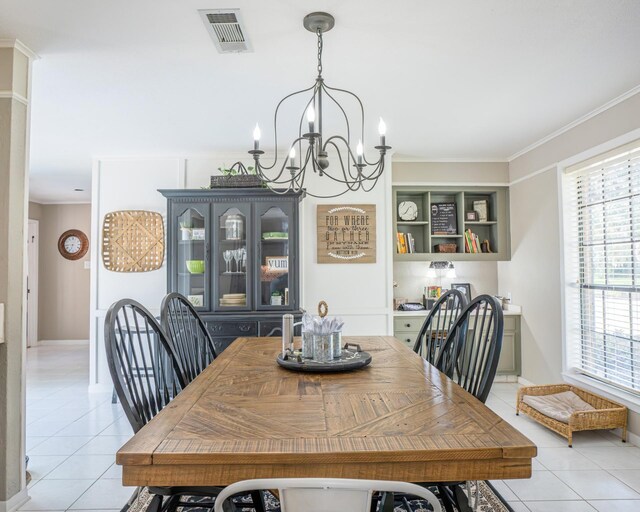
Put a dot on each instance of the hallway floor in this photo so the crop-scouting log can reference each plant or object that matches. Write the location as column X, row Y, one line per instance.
column 72, row 437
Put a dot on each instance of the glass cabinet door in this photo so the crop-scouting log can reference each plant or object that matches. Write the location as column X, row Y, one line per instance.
column 192, row 258
column 232, row 257
column 274, row 224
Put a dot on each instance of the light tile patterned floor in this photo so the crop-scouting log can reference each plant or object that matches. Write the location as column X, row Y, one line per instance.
column 72, row 437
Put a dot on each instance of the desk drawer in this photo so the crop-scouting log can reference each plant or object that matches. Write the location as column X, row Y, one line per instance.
column 409, row 323
column 408, row 338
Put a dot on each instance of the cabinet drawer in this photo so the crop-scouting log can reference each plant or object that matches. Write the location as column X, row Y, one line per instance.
column 510, row 323
column 411, row 323
column 241, row 328
column 222, row 342
column 406, row 337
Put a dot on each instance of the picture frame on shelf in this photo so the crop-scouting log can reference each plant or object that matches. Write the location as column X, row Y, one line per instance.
column 444, row 219
column 481, row 207
column 465, row 288
column 471, row 216
column 197, row 233
column 277, row 263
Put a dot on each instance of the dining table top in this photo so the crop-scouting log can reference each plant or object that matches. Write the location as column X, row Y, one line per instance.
column 399, row 418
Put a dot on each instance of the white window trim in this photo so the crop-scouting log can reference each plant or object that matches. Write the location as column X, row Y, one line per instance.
column 628, row 399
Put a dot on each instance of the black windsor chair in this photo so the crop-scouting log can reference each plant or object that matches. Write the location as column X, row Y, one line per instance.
column 147, row 374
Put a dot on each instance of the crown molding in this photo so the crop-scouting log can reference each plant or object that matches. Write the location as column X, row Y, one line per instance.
column 20, row 46
column 409, row 159
column 577, row 122
column 449, row 184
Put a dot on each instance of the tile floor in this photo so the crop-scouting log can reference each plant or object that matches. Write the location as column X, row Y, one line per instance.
column 72, row 437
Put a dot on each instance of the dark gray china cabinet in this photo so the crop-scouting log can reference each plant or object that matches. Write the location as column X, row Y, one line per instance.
column 234, row 253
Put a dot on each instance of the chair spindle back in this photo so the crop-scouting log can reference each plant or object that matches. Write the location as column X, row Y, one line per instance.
column 471, row 351
column 437, row 325
column 145, row 372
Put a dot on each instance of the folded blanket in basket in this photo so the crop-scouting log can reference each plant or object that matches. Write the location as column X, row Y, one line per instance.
column 559, row 406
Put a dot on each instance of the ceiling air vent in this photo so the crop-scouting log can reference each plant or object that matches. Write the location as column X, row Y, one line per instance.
column 226, row 29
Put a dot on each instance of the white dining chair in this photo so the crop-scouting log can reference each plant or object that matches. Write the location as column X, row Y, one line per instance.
column 325, row 494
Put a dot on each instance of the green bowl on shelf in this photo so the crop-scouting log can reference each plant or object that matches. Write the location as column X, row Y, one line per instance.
column 195, row 266
column 275, row 235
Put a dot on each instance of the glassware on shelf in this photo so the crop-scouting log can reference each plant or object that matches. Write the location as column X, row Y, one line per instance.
column 234, row 227
column 237, row 256
column 227, row 259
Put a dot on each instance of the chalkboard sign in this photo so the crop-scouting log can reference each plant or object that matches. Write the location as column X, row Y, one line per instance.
column 444, row 219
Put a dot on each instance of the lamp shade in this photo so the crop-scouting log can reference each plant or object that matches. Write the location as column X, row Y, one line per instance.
column 451, row 271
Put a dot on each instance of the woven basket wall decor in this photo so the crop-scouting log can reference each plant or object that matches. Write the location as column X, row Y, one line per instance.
column 133, row 241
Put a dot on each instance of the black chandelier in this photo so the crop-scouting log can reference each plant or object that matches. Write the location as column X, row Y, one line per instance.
column 353, row 172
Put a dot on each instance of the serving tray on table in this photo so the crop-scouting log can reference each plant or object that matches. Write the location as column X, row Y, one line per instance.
column 351, row 358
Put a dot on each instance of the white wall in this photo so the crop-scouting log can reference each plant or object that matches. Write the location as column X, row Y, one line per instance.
column 411, row 278
column 360, row 293
column 533, row 274
column 124, row 184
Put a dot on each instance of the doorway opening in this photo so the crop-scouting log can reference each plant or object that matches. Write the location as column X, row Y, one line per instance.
column 33, row 241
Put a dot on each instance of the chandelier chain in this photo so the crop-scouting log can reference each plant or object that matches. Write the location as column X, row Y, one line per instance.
column 319, row 52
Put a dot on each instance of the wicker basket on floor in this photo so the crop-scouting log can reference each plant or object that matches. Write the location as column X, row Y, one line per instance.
column 607, row 414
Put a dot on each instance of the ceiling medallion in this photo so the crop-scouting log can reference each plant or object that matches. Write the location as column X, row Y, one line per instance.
column 348, row 169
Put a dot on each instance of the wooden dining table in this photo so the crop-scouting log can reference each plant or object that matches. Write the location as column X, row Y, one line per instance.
column 397, row 419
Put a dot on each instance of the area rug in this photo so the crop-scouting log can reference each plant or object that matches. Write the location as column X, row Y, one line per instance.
column 490, row 501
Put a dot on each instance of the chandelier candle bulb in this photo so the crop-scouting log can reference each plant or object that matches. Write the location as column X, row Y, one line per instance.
column 382, row 130
column 256, row 137
column 311, row 117
column 292, row 157
column 359, row 152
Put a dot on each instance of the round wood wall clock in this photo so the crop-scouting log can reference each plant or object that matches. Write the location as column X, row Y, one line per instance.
column 73, row 244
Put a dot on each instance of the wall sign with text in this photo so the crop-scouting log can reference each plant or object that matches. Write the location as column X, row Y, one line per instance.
column 346, row 233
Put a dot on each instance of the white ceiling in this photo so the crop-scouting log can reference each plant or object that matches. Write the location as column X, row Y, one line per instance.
column 461, row 79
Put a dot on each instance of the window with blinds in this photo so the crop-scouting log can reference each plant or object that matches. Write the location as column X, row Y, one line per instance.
column 602, row 263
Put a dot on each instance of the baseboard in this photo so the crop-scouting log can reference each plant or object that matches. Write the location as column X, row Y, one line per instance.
column 632, row 438
column 15, row 502
column 62, row 342
column 505, row 378
column 525, row 382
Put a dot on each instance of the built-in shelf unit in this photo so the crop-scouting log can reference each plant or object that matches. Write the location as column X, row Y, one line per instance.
column 495, row 229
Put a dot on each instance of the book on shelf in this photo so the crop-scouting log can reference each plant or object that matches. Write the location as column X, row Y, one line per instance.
column 412, row 243
column 402, row 244
column 405, row 243
column 472, row 242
